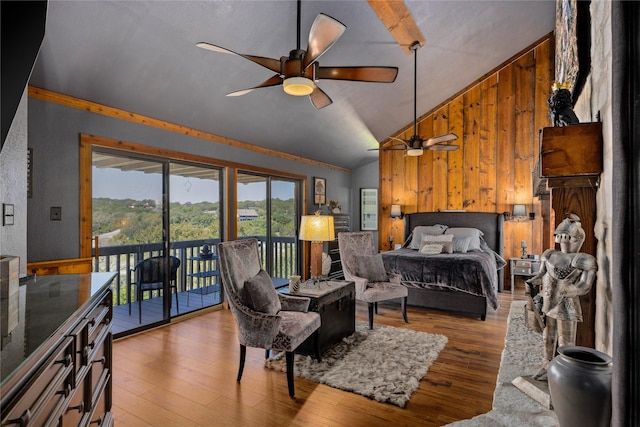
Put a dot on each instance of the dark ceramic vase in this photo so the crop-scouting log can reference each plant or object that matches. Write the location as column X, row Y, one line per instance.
column 580, row 387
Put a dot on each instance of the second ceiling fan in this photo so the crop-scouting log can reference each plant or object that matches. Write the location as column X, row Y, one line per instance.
column 299, row 72
column 415, row 145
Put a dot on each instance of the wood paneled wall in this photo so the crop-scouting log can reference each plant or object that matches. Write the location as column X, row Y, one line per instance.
column 497, row 119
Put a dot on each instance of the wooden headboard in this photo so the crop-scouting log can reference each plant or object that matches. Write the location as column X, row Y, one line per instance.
column 491, row 224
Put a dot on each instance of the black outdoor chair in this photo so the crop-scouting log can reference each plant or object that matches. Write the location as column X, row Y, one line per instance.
column 148, row 275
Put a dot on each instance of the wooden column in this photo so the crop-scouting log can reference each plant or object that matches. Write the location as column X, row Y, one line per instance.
column 571, row 163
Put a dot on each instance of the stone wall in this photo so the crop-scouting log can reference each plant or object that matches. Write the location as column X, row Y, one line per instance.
column 596, row 99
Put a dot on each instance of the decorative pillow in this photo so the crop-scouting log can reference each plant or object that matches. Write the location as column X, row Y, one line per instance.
column 431, row 248
column 260, row 295
column 371, row 267
column 445, row 241
column 473, row 233
column 421, row 230
column 461, row 244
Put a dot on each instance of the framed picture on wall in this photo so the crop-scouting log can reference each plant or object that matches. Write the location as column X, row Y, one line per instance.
column 368, row 209
column 319, row 191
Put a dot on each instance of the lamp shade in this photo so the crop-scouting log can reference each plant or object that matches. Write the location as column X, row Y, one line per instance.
column 519, row 210
column 317, row 228
column 396, row 212
column 298, row 86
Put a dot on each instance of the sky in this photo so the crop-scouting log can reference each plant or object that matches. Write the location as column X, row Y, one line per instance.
column 117, row 184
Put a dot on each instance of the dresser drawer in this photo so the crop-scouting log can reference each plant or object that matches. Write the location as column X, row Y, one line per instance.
column 43, row 402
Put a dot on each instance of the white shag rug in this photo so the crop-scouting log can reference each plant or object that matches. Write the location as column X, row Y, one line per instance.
column 385, row 364
column 522, row 356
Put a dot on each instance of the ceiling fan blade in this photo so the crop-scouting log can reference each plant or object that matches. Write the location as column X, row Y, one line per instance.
column 443, row 147
column 273, row 81
column 270, row 63
column 319, row 99
column 324, row 32
column 359, row 74
column 439, row 139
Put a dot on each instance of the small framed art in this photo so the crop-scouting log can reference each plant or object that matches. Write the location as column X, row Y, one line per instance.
column 319, row 191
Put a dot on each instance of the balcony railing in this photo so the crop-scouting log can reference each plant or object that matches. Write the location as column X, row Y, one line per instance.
column 194, row 273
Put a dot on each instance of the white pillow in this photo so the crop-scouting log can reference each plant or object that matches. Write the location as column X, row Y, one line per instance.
column 473, row 233
column 421, row 230
column 445, row 241
column 431, row 249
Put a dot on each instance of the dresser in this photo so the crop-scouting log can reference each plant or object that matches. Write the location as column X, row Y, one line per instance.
column 56, row 362
column 341, row 222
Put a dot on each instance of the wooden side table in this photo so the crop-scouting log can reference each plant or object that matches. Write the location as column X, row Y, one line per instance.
column 527, row 267
column 335, row 300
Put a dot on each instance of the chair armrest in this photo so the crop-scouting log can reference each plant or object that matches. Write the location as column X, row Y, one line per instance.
column 293, row 303
column 255, row 329
column 360, row 282
column 395, row 278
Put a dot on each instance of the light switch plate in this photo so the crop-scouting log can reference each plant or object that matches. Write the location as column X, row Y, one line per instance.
column 7, row 214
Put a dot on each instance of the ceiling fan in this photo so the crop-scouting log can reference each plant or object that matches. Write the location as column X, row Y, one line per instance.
column 416, row 144
column 299, row 72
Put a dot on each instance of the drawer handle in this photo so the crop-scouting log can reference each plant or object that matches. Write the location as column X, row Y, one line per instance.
column 92, row 322
column 97, row 421
column 66, row 392
column 79, row 408
column 23, row 421
column 102, row 360
column 67, row 361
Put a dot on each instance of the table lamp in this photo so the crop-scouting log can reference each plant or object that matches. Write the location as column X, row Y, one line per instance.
column 316, row 229
column 523, row 245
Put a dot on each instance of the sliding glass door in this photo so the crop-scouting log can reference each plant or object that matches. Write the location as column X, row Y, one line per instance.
column 268, row 208
column 195, row 225
column 148, row 213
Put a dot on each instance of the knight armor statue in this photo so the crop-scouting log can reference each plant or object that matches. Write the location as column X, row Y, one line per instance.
column 564, row 275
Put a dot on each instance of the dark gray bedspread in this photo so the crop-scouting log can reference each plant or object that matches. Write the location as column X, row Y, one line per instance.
column 473, row 272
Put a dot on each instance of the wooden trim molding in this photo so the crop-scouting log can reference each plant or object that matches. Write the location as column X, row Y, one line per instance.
column 81, row 104
column 60, row 266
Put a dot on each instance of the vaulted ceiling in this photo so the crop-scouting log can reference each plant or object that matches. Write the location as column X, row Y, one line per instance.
column 141, row 56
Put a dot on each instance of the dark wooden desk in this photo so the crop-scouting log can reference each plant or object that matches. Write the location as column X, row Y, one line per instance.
column 335, row 301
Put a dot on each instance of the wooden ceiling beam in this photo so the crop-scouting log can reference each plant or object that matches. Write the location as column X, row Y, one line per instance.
column 398, row 20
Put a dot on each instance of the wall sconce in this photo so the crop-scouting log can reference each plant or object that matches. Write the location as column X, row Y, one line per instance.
column 519, row 213
column 396, row 211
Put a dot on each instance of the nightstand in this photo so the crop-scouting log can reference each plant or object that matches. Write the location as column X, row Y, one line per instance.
column 527, row 267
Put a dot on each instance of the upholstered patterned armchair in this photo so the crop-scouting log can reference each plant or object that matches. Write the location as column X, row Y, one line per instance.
column 266, row 318
column 362, row 264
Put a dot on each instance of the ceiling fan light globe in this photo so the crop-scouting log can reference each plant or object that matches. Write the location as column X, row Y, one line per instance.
column 298, row 86
column 414, row 152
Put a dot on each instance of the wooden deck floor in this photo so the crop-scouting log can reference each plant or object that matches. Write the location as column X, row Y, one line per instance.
column 152, row 308
column 184, row 375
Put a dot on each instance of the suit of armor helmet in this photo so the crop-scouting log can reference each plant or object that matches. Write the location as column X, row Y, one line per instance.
column 564, row 275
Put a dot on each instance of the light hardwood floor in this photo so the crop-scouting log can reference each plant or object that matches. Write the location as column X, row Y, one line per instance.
column 184, row 375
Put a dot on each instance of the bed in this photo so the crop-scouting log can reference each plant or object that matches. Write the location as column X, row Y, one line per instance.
column 458, row 282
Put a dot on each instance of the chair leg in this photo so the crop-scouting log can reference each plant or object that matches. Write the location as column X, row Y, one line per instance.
column 370, row 306
column 289, row 357
column 243, row 355
column 140, row 294
column 266, row 354
column 403, row 303
column 375, row 306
